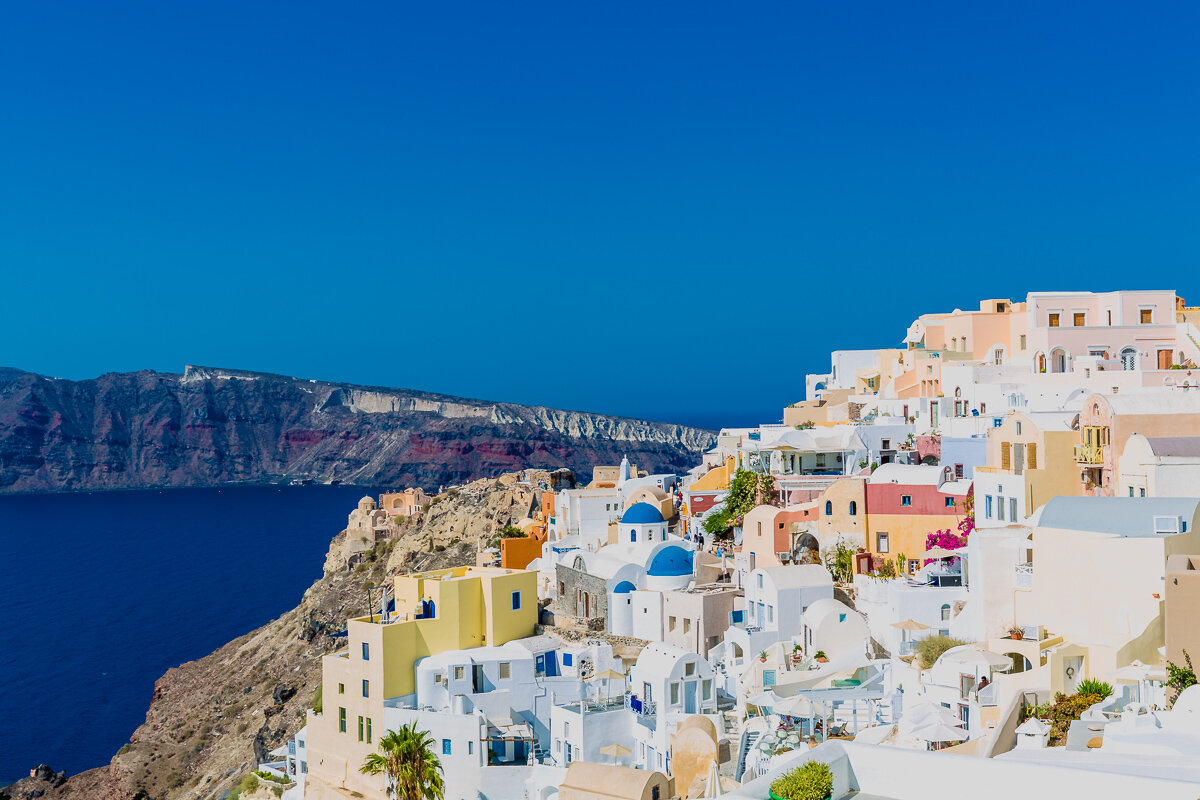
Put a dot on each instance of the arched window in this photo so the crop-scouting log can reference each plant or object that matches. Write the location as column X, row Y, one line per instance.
column 853, row 508
column 945, row 612
column 829, row 508
column 1129, row 359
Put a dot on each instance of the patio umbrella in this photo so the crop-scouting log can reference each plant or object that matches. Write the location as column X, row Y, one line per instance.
column 965, row 655
column 615, row 750
column 939, row 552
column 608, row 675
column 939, row 733
column 1135, row 672
column 925, row 713
column 797, row 706
column 910, row 625
column 762, row 699
column 712, row 784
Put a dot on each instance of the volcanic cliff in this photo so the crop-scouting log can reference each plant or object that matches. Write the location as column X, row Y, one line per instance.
column 217, row 426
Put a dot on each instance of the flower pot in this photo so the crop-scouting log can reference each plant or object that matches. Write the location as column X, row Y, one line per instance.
column 1016, row 635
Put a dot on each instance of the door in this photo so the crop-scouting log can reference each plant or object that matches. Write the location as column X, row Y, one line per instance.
column 1018, row 458
column 933, row 413
column 1072, row 667
column 689, row 697
column 1164, row 359
column 477, row 679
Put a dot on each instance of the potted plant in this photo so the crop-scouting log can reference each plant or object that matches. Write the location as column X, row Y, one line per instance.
column 762, row 655
column 812, row 780
column 1016, row 633
column 820, row 656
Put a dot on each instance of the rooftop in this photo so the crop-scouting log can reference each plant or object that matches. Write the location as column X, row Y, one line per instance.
column 1122, row 516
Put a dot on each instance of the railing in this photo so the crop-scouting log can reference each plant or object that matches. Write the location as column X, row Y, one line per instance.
column 1089, row 454
column 641, row 707
column 908, row 647
column 1023, row 577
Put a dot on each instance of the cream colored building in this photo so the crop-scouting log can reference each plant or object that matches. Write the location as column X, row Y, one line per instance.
column 1167, row 466
column 1098, row 582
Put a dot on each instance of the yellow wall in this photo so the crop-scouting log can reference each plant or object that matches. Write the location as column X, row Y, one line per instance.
column 907, row 532
column 472, row 608
column 715, row 479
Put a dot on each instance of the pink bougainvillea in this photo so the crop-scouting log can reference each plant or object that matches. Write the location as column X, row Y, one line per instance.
column 952, row 541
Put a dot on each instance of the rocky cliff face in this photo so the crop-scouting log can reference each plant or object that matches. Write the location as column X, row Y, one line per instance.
column 214, row 719
column 213, row 426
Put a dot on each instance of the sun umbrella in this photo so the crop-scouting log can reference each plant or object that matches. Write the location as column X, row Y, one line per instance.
column 762, row 699
column 608, row 675
column 797, row 706
column 925, row 713
column 910, row 625
column 939, row 732
column 712, row 785
column 965, row 655
column 939, row 552
column 615, row 750
column 1134, row 672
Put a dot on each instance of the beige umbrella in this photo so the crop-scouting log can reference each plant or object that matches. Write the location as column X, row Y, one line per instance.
column 615, row 750
column 608, row 675
column 939, row 552
column 910, row 625
column 712, row 785
column 797, row 706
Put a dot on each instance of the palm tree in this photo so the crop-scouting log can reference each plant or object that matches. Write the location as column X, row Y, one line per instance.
column 406, row 757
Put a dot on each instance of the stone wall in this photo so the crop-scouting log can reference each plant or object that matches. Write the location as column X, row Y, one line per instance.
column 573, row 584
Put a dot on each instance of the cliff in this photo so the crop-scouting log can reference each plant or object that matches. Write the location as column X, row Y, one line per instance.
column 214, row 426
column 212, row 720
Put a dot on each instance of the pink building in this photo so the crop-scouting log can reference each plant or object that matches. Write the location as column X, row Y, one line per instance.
column 1112, row 330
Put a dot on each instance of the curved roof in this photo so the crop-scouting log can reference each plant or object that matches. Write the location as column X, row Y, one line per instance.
column 660, row 658
column 648, row 491
column 1122, row 516
column 618, row 781
column 908, row 474
column 640, row 514
column 366, row 498
column 816, row 613
column 700, row 723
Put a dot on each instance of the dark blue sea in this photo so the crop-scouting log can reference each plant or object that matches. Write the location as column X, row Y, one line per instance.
column 103, row 592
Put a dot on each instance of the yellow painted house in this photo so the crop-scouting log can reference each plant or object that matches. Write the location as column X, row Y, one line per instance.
column 1030, row 459
column 448, row 609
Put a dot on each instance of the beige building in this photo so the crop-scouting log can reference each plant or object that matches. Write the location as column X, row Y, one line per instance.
column 1107, row 421
column 1167, row 466
column 1030, row 459
column 1182, row 602
column 588, row 781
column 1098, row 581
column 842, row 513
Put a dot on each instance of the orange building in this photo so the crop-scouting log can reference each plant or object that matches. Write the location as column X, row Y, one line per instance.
column 517, row 552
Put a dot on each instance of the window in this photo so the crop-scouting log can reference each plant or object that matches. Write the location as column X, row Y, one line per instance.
column 360, row 729
column 886, row 444
column 505, row 670
column 366, row 651
column 568, row 659
column 633, row 535
column 760, row 580
column 770, row 613
column 1079, row 319
column 1022, row 341
column 881, row 542
column 366, row 688
column 670, row 623
column 906, row 499
column 470, row 747
column 687, row 624
column 983, row 408
column 1000, row 507
column 768, row 678
column 1005, row 455
column 458, row 673
column 1146, row 316
column 562, row 588
column 1131, row 491
column 445, row 747
column 987, row 503
column 689, row 668
column 841, row 617
column 828, row 508
column 516, row 601
column 303, row 767
column 1053, row 320
column 655, row 794
column 674, row 693
column 949, row 502
column 566, row 729
column 368, row 730
column 341, row 720
column 706, row 689
column 853, row 508
column 958, row 471
column 945, row 612
column 1031, row 455
column 341, row 688
column 1143, row 492
column 1012, row 509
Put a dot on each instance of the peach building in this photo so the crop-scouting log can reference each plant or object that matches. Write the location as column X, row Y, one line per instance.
column 1119, row 330
column 1107, row 421
column 403, row 504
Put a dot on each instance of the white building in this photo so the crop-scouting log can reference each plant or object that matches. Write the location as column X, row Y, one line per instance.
column 832, row 627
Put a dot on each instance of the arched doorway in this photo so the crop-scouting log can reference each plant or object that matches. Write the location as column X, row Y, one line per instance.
column 1019, row 663
column 1129, row 359
column 806, row 549
column 1040, row 362
column 1058, row 360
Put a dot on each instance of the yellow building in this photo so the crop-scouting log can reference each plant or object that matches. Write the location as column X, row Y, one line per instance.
column 1030, row 459
column 448, row 609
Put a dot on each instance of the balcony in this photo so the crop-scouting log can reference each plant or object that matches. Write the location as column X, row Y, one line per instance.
column 1023, row 577
column 1089, row 454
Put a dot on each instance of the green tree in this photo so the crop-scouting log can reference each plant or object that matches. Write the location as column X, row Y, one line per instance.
column 1180, row 678
column 930, row 649
column 407, row 758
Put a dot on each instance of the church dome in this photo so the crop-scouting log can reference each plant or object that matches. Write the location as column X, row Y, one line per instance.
column 641, row 514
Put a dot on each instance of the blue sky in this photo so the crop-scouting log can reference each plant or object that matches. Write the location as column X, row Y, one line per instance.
column 671, row 211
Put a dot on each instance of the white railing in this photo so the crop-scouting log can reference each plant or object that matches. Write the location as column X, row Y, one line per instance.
column 1023, row 577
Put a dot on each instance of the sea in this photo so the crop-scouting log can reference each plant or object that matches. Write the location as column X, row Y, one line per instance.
column 104, row 592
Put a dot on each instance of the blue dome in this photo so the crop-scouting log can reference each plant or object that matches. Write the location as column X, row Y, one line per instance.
column 640, row 514
column 671, row 562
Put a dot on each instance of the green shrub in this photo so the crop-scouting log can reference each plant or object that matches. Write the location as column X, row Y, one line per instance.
column 930, row 649
column 1093, row 686
column 510, row 531
column 318, row 703
column 1062, row 712
column 1180, row 677
column 812, row 780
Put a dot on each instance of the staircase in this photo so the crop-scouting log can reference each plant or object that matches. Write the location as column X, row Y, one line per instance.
column 748, row 740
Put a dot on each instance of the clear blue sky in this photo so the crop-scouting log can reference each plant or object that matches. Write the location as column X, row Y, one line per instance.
column 551, row 203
